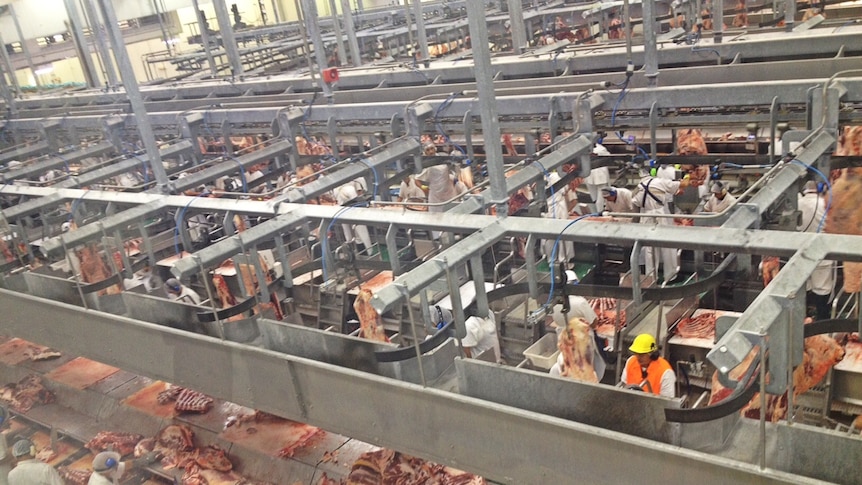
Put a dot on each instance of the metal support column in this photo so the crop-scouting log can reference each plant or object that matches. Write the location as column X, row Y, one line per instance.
column 789, row 15
column 407, row 24
column 75, row 24
column 205, row 37
column 7, row 94
column 488, row 105
column 312, row 26
column 421, row 35
column 339, row 37
column 347, row 15
column 275, row 12
column 8, row 67
column 650, row 48
column 165, row 37
column 717, row 20
column 102, row 42
column 227, row 37
column 24, row 45
column 519, row 32
column 145, row 127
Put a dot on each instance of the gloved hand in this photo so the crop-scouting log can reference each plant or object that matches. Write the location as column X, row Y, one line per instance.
column 147, row 459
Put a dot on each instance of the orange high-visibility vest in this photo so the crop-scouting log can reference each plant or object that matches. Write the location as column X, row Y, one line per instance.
column 656, row 369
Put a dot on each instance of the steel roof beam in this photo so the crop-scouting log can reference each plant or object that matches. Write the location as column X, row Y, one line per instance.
column 231, row 166
column 610, row 60
column 24, row 152
column 56, row 246
column 565, row 153
column 216, row 254
column 374, row 165
column 58, row 160
column 94, row 176
column 720, row 97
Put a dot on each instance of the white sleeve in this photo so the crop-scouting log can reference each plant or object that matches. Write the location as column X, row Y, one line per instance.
column 53, row 477
column 668, row 383
column 581, row 307
column 557, row 369
column 474, row 331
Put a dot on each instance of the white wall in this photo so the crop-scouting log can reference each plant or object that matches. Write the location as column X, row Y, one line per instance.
column 41, row 18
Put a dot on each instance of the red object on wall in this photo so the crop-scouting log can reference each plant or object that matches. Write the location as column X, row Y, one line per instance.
column 330, row 75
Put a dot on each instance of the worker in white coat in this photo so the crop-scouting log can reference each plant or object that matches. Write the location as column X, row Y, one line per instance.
column 481, row 336
column 441, row 185
column 440, row 181
column 650, row 197
column 618, row 199
column 144, row 278
column 6, row 460
column 821, row 283
column 180, row 292
column 343, row 196
column 109, row 470
column 667, row 172
column 598, row 178
column 30, row 471
column 411, row 189
column 558, row 208
column 720, row 200
column 481, row 331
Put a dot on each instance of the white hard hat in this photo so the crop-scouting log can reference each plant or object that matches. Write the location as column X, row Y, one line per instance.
column 108, row 462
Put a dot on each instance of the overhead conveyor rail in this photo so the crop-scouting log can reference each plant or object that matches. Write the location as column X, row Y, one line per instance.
column 58, row 160
column 530, row 111
column 768, row 48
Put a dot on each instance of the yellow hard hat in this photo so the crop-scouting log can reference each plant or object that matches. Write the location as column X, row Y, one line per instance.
column 643, row 344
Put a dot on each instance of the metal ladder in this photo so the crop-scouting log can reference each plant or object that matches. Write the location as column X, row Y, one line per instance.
column 812, row 407
column 330, row 308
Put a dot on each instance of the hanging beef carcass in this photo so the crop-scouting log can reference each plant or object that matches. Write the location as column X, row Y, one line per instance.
column 821, row 353
column 575, row 344
column 369, row 321
column 845, row 217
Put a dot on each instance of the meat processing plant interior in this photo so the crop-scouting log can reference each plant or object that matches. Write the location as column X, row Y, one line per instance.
column 448, row 241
